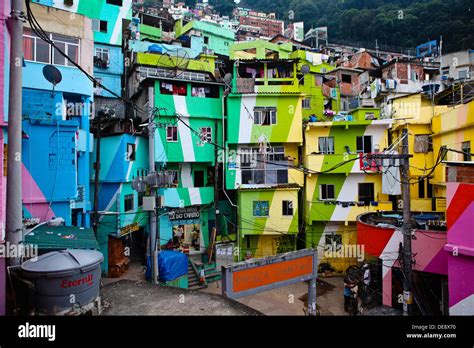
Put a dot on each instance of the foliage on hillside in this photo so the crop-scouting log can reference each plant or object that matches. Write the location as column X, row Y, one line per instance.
column 399, row 23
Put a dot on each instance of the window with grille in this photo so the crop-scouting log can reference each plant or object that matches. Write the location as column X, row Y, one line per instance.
column 261, row 208
column 205, row 133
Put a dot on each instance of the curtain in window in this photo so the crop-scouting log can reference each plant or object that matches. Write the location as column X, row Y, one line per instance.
column 28, row 44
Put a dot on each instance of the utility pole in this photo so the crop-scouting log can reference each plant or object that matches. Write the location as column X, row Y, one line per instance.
column 154, row 232
column 216, row 180
column 406, row 250
column 14, row 221
column 95, row 223
column 407, row 253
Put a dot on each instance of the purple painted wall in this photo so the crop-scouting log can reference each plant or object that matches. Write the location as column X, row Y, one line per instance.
column 460, row 248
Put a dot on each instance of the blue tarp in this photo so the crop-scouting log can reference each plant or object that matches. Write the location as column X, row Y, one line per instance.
column 172, row 265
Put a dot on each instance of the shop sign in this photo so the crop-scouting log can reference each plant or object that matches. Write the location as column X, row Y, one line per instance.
column 189, row 213
column 129, row 228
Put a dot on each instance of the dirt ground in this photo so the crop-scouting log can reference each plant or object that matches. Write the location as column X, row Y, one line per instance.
column 129, row 297
column 290, row 300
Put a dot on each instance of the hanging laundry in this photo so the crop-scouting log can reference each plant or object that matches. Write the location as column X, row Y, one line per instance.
column 375, row 88
column 317, row 59
column 390, row 84
column 309, row 57
column 251, row 71
column 391, row 183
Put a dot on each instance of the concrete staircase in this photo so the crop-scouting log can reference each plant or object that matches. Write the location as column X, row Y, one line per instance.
column 193, row 279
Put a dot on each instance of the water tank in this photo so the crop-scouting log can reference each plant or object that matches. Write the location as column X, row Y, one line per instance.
column 64, row 280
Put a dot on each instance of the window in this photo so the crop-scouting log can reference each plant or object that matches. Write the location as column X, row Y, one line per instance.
column 364, row 144
column 333, row 239
column 265, row 116
column 307, row 103
column 173, row 88
column 174, row 174
column 366, row 193
column 463, row 74
column 199, row 178
column 425, row 189
column 35, row 49
column 101, row 56
column 206, row 40
column 346, row 78
column 172, row 133
column 261, row 208
column 287, row 208
column 114, row 2
column 99, row 25
column 205, row 133
column 326, row 145
column 263, row 168
column 140, row 198
column 128, row 202
column 327, row 192
column 466, row 148
column 203, row 91
column 130, row 152
column 423, row 143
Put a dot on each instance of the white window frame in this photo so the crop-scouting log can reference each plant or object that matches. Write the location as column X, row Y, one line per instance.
column 52, row 49
column 364, row 150
column 170, row 139
column 258, row 116
column 100, row 51
column 326, row 150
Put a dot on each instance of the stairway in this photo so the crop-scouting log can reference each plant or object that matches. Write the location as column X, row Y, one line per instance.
column 193, row 279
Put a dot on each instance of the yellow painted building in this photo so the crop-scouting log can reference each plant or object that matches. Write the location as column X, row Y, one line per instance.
column 335, row 198
column 453, row 128
column 415, row 113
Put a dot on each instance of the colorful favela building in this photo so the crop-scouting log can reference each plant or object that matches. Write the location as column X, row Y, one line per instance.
column 56, row 138
column 340, row 185
column 264, row 133
column 178, row 86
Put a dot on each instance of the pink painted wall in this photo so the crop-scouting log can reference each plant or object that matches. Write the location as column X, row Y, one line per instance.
column 4, row 78
column 460, row 248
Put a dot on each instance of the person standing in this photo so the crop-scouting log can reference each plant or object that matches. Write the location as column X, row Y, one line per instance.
column 347, row 295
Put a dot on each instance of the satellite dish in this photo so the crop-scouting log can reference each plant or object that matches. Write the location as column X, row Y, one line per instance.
column 305, row 69
column 52, row 74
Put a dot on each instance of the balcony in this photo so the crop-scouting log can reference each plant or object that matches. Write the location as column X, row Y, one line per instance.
column 266, row 76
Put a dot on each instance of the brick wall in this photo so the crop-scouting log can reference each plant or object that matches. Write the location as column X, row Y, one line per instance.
column 463, row 174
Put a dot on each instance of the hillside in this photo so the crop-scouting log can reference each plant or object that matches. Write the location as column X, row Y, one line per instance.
column 364, row 21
